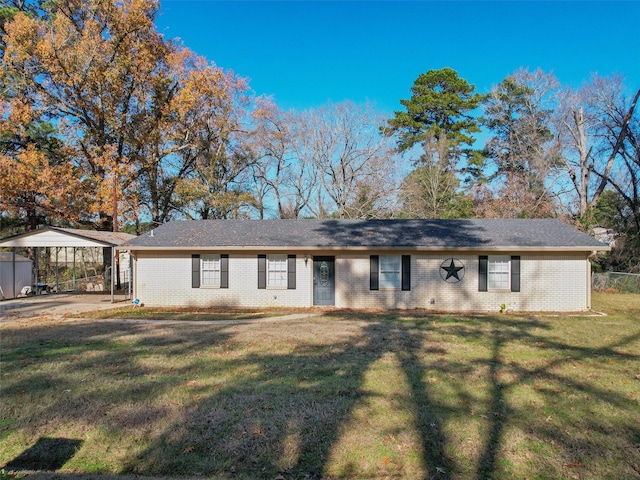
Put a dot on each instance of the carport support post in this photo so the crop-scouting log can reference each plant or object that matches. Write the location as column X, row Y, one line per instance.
column 36, row 266
column 113, row 262
column 57, row 283
column 13, row 266
column 74, row 269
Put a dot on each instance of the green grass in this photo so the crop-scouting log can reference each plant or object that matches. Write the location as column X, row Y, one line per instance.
column 345, row 395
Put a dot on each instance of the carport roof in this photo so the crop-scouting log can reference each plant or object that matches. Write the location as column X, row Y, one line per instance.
column 66, row 237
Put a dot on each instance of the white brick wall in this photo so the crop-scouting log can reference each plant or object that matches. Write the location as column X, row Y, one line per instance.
column 549, row 282
column 164, row 279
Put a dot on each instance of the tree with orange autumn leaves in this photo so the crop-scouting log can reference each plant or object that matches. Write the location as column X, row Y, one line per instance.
column 36, row 181
column 138, row 115
column 207, row 141
column 103, row 120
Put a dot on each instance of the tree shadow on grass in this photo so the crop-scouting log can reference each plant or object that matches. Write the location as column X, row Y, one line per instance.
column 250, row 402
column 282, row 415
column 560, row 394
column 47, row 454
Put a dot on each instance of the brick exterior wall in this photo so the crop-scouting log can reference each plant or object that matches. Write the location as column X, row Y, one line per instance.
column 164, row 279
column 549, row 282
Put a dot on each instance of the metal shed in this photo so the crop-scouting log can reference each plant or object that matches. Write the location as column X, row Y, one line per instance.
column 15, row 273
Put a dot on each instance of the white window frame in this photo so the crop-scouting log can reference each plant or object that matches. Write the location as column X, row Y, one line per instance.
column 499, row 273
column 277, row 271
column 210, row 271
column 390, row 272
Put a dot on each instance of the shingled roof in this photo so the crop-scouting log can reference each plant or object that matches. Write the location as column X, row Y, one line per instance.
column 489, row 234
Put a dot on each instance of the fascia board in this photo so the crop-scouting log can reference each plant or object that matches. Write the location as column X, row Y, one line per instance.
column 27, row 240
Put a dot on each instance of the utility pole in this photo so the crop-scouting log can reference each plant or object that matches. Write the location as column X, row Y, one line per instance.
column 115, row 201
column 115, row 259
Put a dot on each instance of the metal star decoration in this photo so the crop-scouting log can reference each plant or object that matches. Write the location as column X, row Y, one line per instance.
column 454, row 273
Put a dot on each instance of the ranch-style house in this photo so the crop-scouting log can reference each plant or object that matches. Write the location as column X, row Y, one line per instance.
column 441, row 265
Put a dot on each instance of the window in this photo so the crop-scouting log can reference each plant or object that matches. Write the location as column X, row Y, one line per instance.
column 277, row 271
column 390, row 271
column 498, row 273
column 210, row 271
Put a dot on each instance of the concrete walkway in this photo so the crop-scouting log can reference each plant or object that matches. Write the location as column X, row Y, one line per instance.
column 59, row 306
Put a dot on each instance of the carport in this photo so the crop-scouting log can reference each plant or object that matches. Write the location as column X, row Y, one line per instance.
column 55, row 237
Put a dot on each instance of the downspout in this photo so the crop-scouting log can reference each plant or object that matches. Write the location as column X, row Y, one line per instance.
column 589, row 279
column 133, row 273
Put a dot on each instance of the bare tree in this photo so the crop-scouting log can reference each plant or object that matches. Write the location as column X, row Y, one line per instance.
column 330, row 161
column 355, row 163
column 625, row 177
column 284, row 172
column 592, row 123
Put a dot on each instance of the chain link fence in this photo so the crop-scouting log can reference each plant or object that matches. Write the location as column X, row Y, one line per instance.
column 87, row 284
column 622, row 282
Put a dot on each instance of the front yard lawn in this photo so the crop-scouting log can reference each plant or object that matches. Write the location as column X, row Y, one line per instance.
column 344, row 395
column 183, row 314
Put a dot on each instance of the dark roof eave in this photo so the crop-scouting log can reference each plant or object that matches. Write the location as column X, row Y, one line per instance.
column 363, row 248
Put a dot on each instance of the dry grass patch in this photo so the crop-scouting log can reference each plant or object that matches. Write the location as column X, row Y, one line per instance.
column 346, row 395
column 183, row 314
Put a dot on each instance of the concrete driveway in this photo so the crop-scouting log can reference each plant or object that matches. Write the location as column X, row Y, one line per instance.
column 57, row 305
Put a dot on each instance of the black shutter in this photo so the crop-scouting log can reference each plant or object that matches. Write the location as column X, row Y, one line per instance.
column 291, row 272
column 262, row 271
column 195, row 271
column 483, row 268
column 224, row 271
column 515, row 274
column 406, row 272
column 373, row 275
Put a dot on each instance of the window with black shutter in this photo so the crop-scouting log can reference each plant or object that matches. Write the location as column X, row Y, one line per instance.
column 515, row 274
column 262, row 271
column 224, row 271
column 291, row 272
column 406, row 272
column 390, row 272
column 373, row 272
column 483, row 265
column 499, row 273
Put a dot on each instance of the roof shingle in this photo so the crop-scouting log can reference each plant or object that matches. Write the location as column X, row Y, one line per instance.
column 412, row 234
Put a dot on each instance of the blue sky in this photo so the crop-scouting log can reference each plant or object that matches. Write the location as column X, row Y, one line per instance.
column 307, row 53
